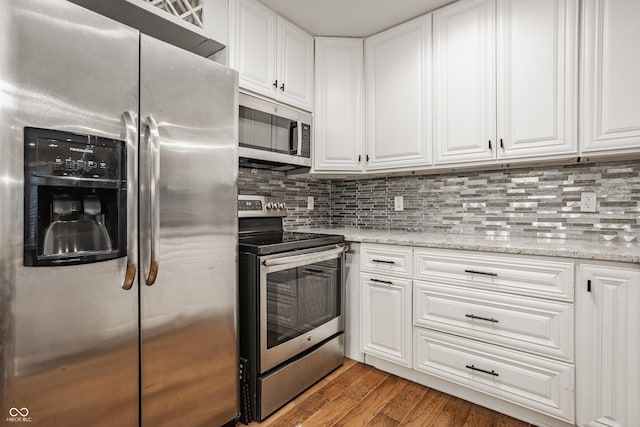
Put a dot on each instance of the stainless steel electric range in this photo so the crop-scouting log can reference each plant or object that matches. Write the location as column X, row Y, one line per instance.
column 291, row 307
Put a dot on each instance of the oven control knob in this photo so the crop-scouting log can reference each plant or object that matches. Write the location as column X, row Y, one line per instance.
column 270, row 206
column 281, row 206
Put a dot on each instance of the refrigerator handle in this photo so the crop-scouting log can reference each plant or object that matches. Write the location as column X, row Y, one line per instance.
column 154, row 163
column 131, row 139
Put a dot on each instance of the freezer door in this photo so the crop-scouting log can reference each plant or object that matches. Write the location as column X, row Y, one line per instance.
column 188, row 226
column 68, row 334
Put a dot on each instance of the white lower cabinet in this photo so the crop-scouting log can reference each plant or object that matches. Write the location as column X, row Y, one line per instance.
column 538, row 383
column 386, row 318
column 608, row 345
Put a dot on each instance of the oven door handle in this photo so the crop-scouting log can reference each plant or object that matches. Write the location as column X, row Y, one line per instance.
column 308, row 258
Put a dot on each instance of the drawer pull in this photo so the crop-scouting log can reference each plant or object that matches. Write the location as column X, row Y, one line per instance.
column 481, row 272
column 383, row 261
column 382, row 281
column 488, row 319
column 473, row 368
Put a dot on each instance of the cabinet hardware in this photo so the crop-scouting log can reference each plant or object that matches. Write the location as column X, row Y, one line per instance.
column 359, row 158
column 588, row 285
column 501, row 144
column 275, row 84
column 383, row 261
column 313, row 270
column 490, row 145
column 473, row 368
column 481, row 272
column 282, row 87
column 382, row 281
column 367, row 157
column 488, row 319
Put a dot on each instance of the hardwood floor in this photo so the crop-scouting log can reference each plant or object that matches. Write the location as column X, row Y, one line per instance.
column 360, row 395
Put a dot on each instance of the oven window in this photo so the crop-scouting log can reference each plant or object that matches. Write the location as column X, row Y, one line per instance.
column 301, row 299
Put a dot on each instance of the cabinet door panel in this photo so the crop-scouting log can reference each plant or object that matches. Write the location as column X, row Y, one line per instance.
column 339, row 105
column 295, row 65
column 464, row 84
column 386, row 318
column 608, row 345
column 611, row 88
column 256, row 47
column 537, row 77
column 398, row 96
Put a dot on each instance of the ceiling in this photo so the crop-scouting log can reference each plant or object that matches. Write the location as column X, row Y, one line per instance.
column 350, row 18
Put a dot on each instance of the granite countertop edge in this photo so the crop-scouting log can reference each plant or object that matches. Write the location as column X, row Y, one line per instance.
column 565, row 248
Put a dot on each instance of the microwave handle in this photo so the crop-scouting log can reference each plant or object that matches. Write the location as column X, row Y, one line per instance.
column 299, row 138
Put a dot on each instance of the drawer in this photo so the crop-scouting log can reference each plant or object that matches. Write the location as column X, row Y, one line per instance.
column 523, row 323
column 517, row 274
column 537, row 383
column 387, row 259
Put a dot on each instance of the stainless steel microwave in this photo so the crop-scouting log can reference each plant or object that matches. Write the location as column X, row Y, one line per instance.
column 273, row 136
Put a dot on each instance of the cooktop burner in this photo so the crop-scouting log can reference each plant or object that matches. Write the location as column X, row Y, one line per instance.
column 285, row 241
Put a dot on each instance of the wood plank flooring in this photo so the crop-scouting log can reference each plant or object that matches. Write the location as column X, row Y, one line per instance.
column 360, row 395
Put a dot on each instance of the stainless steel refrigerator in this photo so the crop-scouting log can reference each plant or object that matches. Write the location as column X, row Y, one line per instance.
column 118, row 171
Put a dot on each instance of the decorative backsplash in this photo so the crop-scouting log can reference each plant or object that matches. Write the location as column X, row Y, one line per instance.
column 533, row 202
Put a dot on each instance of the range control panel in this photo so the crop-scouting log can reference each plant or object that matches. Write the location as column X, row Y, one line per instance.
column 260, row 206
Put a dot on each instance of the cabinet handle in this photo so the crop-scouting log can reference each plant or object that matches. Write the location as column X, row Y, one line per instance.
column 359, row 158
column 367, row 157
column 473, row 368
column 490, row 145
column 382, row 281
column 275, row 84
column 383, row 261
column 481, row 272
column 282, row 87
column 313, row 270
column 488, row 319
column 588, row 285
column 501, row 144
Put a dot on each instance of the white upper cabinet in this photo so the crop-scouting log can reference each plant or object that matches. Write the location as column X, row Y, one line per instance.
column 526, row 52
column 537, row 77
column 273, row 57
column 610, row 114
column 464, row 83
column 339, row 105
column 398, row 96
column 295, row 65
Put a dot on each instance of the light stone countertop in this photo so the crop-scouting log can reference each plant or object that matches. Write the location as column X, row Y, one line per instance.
column 579, row 249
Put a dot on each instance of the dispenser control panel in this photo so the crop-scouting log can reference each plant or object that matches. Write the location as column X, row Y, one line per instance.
column 77, row 156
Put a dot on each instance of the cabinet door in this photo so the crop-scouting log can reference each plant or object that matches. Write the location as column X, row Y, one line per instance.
column 295, row 65
column 611, row 87
column 339, row 105
column 386, row 318
column 255, row 50
column 398, row 96
column 608, row 346
column 537, row 77
column 464, row 82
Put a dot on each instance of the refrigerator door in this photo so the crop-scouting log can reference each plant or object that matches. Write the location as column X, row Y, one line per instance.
column 188, row 227
column 68, row 334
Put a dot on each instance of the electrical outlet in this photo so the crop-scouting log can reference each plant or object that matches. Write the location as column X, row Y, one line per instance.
column 588, row 202
column 398, row 203
column 310, row 203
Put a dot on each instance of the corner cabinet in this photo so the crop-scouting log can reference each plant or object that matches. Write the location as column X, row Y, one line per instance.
column 398, row 96
column 526, row 53
column 610, row 85
column 339, row 105
column 273, row 57
column 608, row 345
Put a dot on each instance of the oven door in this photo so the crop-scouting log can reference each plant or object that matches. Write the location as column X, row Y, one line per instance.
column 301, row 301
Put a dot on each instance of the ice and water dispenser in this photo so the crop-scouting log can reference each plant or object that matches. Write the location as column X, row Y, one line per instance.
column 75, row 198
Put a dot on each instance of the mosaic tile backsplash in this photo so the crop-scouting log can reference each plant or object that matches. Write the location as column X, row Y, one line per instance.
column 526, row 202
